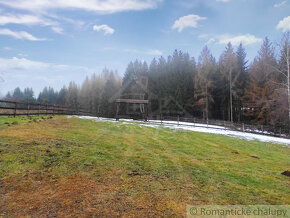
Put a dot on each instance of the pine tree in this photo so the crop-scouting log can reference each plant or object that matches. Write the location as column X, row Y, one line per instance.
column 203, row 81
column 257, row 98
column 112, row 86
column 242, row 80
column 228, row 67
column 97, row 90
column 28, row 95
column 72, row 96
column 61, row 97
column 17, row 94
column 85, row 95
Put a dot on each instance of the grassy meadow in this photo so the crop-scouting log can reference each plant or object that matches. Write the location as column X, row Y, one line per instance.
column 74, row 167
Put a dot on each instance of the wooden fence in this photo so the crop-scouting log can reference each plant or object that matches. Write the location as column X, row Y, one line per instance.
column 242, row 127
column 276, row 131
column 13, row 108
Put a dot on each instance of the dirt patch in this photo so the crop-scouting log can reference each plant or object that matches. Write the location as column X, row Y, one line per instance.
column 37, row 131
column 35, row 194
column 235, row 152
column 7, row 123
column 286, row 173
column 31, row 143
column 134, row 173
column 256, row 157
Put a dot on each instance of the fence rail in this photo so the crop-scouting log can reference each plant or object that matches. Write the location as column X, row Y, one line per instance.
column 218, row 124
column 13, row 108
column 242, row 127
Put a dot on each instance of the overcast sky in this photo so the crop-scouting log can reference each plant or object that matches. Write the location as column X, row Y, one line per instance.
column 50, row 42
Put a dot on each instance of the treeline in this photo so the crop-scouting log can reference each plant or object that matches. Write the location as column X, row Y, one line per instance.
column 93, row 95
column 228, row 88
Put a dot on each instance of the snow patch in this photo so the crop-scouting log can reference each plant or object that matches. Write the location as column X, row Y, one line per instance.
column 196, row 127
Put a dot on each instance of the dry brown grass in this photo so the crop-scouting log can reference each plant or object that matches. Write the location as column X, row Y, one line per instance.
column 78, row 168
column 38, row 195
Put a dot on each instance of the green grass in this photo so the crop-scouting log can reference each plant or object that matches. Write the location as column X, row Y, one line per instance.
column 5, row 120
column 168, row 165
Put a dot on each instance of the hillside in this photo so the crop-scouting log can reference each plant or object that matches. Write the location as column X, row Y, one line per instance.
column 70, row 166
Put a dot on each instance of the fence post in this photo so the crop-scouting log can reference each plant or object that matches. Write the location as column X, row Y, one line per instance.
column 117, row 112
column 27, row 108
column 46, row 108
column 280, row 132
column 38, row 109
column 15, row 109
column 262, row 129
column 243, row 127
column 178, row 120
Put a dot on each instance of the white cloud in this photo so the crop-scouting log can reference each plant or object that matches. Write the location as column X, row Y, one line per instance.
column 246, row 39
column 26, row 19
column 223, row 0
column 153, row 52
column 20, row 35
column 7, row 48
column 57, row 29
column 211, row 40
column 203, row 36
column 284, row 24
column 22, row 55
column 99, row 6
column 105, row 28
column 75, row 23
column 17, row 64
column 280, row 4
column 187, row 21
column 23, row 72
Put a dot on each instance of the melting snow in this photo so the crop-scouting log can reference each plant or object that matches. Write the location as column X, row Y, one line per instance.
column 197, row 128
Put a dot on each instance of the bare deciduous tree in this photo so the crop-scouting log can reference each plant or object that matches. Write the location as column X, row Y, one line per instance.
column 283, row 69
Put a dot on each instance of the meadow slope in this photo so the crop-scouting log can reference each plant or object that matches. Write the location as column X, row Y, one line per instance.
column 68, row 166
